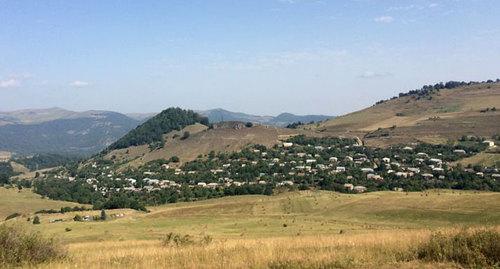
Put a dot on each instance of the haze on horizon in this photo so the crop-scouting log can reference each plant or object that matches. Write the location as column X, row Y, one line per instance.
column 262, row 57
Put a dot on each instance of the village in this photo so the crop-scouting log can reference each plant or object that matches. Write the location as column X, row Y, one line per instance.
column 338, row 164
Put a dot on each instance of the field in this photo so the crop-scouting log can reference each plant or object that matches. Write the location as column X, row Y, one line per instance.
column 25, row 202
column 301, row 229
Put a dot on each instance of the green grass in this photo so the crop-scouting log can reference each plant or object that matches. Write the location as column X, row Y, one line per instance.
column 25, row 202
column 304, row 213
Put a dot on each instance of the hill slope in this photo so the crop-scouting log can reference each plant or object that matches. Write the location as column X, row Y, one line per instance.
column 436, row 117
column 26, row 202
column 223, row 137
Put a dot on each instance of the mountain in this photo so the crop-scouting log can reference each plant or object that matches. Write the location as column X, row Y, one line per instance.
column 284, row 119
column 32, row 116
column 61, row 131
column 433, row 114
column 142, row 117
column 219, row 115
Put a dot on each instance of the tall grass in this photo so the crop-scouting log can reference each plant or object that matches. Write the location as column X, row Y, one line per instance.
column 474, row 249
column 19, row 246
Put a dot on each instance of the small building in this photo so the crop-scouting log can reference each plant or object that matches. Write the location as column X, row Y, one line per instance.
column 287, row 144
column 367, row 170
column 348, row 186
column 489, row 143
column 359, row 189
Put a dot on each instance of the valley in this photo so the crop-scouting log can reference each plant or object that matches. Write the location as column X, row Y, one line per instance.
column 362, row 190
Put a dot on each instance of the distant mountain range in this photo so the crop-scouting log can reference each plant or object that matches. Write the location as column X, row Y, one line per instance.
column 56, row 130
column 282, row 120
column 61, row 131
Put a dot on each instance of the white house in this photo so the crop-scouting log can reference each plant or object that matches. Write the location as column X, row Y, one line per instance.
column 489, row 143
column 359, row 189
column 287, row 144
column 349, row 186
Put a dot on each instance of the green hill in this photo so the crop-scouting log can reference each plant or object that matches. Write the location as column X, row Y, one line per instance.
column 152, row 130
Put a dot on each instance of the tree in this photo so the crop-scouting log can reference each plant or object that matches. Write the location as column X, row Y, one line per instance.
column 36, row 220
column 185, row 135
column 103, row 215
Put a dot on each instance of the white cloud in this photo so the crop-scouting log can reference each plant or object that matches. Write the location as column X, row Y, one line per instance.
column 384, row 19
column 371, row 74
column 79, row 84
column 10, row 83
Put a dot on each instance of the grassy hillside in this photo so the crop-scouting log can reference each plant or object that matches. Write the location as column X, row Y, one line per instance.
column 228, row 137
column 25, row 202
column 446, row 114
column 292, row 229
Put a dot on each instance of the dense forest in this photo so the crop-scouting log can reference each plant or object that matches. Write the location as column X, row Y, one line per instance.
column 152, row 131
column 46, row 160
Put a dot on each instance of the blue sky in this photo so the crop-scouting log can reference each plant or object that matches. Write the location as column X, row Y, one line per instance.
column 254, row 56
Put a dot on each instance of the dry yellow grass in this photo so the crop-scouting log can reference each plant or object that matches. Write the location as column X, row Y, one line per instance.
column 448, row 115
column 377, row 249
column 291, row 230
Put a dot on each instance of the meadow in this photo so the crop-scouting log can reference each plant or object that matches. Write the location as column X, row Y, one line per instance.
column 289, row 230
column 25, row 202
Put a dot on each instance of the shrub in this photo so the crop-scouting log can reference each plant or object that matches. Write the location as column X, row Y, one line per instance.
column 173, row 239
column 11, row 216
column 249, row 124
column 18, row 246
column 78, row 218
column 104, row 216
column 185, row 135
column 177, row 240
column 469, row 248
column 36, row 220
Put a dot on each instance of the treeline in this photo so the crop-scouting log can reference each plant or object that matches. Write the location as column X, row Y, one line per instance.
column 428, row 90
column 78, row 191
column 152, row 131
column 46, row 160
column 6, row 172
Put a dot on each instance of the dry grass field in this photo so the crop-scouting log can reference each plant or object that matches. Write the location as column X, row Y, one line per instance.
column 380, row 249
column 448, row 115
column 290, row 230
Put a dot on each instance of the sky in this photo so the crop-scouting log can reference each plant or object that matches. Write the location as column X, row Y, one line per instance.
column 255, row 56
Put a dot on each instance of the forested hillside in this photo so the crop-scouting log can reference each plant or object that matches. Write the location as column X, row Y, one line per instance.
column 152, row 130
